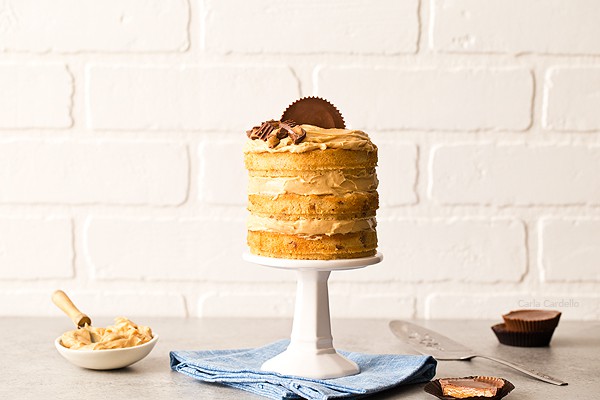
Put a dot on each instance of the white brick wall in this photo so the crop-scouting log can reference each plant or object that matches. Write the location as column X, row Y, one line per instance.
column 570, row 249
column 311, row 26
column 515, row 174
column 72, row 26
column 465, row 250
column 515, row 26
column 397, row 182
column 572, row 99
column 168, row 249
column 463, row 100
column 65, row 171
column 36, row 248
column 221, row 172
column 183, row 97
column 35, row 96
column 122, row 123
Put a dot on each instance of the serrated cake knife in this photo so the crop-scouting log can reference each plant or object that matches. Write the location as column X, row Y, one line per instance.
column 440, row 347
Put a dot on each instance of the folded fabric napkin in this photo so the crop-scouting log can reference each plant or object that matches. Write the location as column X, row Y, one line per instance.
column 241, row 369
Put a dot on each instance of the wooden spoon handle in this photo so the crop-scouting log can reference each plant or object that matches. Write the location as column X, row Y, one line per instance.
column 63, row 302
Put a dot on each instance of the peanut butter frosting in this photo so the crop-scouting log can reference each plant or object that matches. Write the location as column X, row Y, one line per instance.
column 124, row 333
column 323, row 183
column 310, row 227
column 316, row 139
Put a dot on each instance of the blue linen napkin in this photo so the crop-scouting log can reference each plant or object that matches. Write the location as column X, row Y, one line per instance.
column 241, row 369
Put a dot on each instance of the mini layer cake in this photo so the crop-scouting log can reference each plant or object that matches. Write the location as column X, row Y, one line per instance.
column 312, row 197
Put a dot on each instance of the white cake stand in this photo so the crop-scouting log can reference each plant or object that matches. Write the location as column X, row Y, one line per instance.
column 311, row 353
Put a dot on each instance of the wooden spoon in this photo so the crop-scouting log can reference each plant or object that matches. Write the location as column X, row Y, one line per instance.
column 63, row 302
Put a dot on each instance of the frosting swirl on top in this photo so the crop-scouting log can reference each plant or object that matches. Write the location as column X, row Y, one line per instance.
column 316, row 139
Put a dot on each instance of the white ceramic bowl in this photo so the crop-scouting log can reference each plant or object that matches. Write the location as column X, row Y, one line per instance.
column 106, row 359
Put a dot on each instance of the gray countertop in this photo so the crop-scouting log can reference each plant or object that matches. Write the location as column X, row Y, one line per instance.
column 32, row 368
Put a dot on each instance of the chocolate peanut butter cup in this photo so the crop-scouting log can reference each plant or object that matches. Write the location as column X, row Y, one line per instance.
column 522, row 339
column 531, row 320
column 314, row 111
column 470, row 387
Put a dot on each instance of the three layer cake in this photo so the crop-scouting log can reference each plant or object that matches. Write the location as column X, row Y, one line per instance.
column 312, row 191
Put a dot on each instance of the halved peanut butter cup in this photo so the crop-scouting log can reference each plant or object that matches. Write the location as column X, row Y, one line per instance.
column 469, row 387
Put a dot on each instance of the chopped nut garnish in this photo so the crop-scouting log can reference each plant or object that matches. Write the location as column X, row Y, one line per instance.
column 273, row 141
column 298, row 135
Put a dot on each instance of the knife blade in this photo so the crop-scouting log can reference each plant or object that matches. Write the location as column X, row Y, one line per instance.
column 440, row 347
column 429, row 342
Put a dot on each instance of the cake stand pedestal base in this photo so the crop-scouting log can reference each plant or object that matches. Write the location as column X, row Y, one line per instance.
column 311, row 353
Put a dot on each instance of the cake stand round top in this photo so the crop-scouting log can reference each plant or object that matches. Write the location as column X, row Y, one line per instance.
column 315, row 265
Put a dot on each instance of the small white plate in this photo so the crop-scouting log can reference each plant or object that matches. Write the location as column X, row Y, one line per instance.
column 106, row 359
column 313, row 265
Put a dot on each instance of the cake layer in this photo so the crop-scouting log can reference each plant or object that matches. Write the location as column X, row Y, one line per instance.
column 330, row 159
column 303, row 226
column 308, row 174
column 326, row 182
column 339, row 246
column 352, row 205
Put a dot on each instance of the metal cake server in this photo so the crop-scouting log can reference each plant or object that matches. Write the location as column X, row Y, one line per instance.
column 440, row 347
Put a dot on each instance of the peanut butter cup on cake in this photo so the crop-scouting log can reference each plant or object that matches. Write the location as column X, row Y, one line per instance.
column 312, row 191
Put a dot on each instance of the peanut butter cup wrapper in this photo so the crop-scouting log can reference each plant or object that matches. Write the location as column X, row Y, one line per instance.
column 435, row 388
column 522, row 339
column 532, row 320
